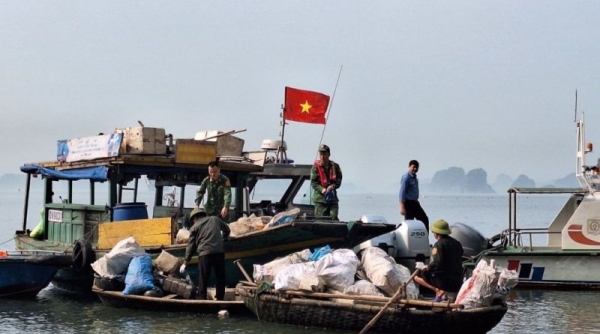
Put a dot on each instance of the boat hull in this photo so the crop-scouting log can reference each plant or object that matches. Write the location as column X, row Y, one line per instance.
column 308, row 312
column 551, row 268
column 24, row 275
column 253, row 248
column 118, row 299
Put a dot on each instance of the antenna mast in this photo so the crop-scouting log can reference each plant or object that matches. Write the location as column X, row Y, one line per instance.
column 281, row 155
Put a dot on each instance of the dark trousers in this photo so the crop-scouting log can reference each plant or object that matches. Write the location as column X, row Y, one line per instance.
column 327, row 210
column 205, row 264
column 415, row 211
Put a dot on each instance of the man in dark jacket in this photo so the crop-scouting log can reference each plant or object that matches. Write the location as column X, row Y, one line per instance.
column 325, row 179
column 206, row 236
column 444, row 272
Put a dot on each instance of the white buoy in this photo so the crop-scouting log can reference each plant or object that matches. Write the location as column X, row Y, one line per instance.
column 223, row 314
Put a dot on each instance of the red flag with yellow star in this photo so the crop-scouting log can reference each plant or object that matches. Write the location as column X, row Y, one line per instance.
column 305, row 106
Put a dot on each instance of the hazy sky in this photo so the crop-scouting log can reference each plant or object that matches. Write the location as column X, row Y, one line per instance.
column 472, row 84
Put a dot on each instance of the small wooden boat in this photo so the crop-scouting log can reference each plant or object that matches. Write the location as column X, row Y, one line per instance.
column 325, row 310
column 171, row 303
column 25, row 273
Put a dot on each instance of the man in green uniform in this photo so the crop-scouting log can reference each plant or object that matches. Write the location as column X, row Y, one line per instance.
column 207, row 237
column 444, row 272
column 325, row 179
column 218, row 190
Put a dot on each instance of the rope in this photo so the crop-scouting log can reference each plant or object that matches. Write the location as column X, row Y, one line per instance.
column 263, row 287
column 11, row 239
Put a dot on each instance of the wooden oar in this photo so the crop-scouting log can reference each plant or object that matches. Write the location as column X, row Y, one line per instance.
column 250, row 280
column 396, row 296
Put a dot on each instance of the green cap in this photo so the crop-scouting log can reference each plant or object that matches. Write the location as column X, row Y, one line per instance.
column 441, row 227
column 196, row 212
column 324, row 148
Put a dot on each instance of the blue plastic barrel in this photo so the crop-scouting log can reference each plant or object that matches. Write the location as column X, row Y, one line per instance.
column 130, row 211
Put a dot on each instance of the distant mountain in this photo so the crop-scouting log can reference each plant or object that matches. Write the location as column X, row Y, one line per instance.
column 454, row 180
column 523, row 181
column 449, row 180
column 569, row 181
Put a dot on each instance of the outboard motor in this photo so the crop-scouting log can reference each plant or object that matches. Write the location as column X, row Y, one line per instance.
column 472, row 241
column 411, row 242
column 384, row 241
column 407, row 244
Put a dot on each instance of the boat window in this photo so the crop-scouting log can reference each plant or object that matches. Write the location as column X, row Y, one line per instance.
column 190, row 196
column 304, row 195
column 269, row 190
column 80, row 193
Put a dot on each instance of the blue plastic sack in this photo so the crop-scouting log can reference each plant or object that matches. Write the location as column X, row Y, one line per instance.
column 139, row 277
column 329, row 197
column 319, row 253
column 285, row 220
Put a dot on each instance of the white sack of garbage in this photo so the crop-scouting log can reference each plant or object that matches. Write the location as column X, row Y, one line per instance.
column 385, row 273
column 290, row 277
column 283, row 217
column 479, row 289
column 337, row 269
column 508, row 278
column 268, row 271
column 167, row 262
column 245, row 225
column 182, row 237
column 363, row 288
column 116, row 262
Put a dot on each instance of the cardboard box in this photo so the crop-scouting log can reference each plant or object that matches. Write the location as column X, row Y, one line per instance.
column 227, row 145
column 143, row 140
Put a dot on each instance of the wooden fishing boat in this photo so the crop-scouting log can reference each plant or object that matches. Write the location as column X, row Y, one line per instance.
column 23, row 274
column 569, row 257
column 171, row 303
column 88, row 228
column 344, row 312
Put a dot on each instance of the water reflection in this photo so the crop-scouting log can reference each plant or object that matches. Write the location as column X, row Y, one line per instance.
column 530, row 311
column 536, row 311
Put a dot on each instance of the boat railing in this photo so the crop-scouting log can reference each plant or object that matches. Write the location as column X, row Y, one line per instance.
column 515, row 237
column 30, row 252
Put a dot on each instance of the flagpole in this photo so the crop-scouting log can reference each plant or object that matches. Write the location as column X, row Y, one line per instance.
column 330, row 106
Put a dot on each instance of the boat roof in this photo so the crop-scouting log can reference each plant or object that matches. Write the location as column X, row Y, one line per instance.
column 547, row 190
column 283, row 170
column 141, row 160
column 98, row 169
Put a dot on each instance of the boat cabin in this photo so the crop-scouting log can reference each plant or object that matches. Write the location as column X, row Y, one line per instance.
column 121, row 187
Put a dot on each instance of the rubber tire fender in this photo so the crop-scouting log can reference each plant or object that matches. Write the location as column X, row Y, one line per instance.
column 83, row 255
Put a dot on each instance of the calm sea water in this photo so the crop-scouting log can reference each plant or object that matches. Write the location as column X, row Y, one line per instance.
column 530, row 311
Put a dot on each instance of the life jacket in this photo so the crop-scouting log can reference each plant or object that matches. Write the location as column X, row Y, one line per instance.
column 326, row 181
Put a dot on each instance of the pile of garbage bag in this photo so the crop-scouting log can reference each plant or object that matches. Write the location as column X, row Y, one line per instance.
column 338, row 271
column 128, row 265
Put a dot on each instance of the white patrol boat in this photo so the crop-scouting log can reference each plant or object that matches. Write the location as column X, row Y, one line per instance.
column 570, row 257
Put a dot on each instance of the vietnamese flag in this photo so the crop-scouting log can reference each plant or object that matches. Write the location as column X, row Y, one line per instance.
column 305, row 106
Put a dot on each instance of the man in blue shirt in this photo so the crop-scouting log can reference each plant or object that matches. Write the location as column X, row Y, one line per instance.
column 410, row 207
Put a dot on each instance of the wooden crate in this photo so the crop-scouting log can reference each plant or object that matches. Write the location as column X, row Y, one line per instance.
column 227, row 145
column 143, row 140
column 147, row 232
